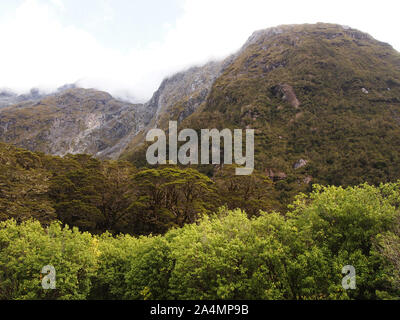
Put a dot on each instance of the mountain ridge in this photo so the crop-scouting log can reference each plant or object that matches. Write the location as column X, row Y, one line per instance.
column 290, row 83
column 74, row 120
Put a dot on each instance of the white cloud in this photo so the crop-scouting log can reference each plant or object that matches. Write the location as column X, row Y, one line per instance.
column 37, row 50
column 59, row 4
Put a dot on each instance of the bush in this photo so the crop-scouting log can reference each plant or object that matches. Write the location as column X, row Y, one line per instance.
column 223, row 256
column 26, row 248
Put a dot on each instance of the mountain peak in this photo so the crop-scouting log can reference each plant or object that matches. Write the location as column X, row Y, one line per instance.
column 327, row 30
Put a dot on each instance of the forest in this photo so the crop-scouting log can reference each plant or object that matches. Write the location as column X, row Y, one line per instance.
column 114, row 231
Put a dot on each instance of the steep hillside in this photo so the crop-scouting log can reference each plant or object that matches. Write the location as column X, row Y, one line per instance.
column 178, row 97
column 72, row 121
column 75, row 120
column 324, row 101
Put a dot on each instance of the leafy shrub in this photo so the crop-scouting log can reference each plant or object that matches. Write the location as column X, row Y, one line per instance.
column 226, row 255
column 26, row 248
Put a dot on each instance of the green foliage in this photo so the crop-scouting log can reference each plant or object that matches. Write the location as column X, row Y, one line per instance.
column 250, row 193
column 170, row 196
column 26, row 248
column 150, row 269
column 99, row 196
column 388, row 246
column 229, row 257
column 226, row 255
column 246, row 250
column 114, row 260
column 23, row 186
column 344, row 224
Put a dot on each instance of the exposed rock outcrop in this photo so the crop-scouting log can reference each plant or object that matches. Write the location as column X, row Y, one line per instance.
column 178, row 97
column 72, row 121
column 307, row 179
column 299, row 164
column 275, row 175
column 286, row 92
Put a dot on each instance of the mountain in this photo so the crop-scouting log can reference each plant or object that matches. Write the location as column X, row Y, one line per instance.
column 324, row 101
column 178, row 97
column 8, row 97
column 74, row 126
column 73, row 120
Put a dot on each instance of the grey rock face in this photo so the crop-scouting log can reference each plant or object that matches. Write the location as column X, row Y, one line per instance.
column 189, row 88
column 75, row 120
column 71, row 121
column 178, row 97
column 300, row 163
column 287, row 93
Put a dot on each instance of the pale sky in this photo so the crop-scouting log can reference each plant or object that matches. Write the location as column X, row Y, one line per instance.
column 126, row 47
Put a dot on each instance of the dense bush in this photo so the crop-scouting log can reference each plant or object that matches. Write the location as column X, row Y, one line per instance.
column 227, row 255
column 26, row 248
column 114, row 196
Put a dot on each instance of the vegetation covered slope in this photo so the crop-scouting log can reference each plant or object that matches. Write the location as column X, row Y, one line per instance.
column 223, row 255
column 324, row 101
column 322, row 93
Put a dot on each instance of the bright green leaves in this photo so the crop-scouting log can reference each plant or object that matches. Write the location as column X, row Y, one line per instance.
column 28, row 247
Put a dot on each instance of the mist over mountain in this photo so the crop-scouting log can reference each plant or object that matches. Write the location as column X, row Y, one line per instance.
column 325, row 96
column 8, row 97
column 303, row 88
column 322, row 98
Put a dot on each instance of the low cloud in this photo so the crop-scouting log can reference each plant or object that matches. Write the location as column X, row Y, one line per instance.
column 39, row 51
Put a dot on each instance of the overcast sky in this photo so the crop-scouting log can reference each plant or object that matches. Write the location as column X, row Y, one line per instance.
column 127, row 47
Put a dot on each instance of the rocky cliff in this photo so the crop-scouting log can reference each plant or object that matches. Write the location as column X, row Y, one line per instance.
column 75, row 120
column 71, row 121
